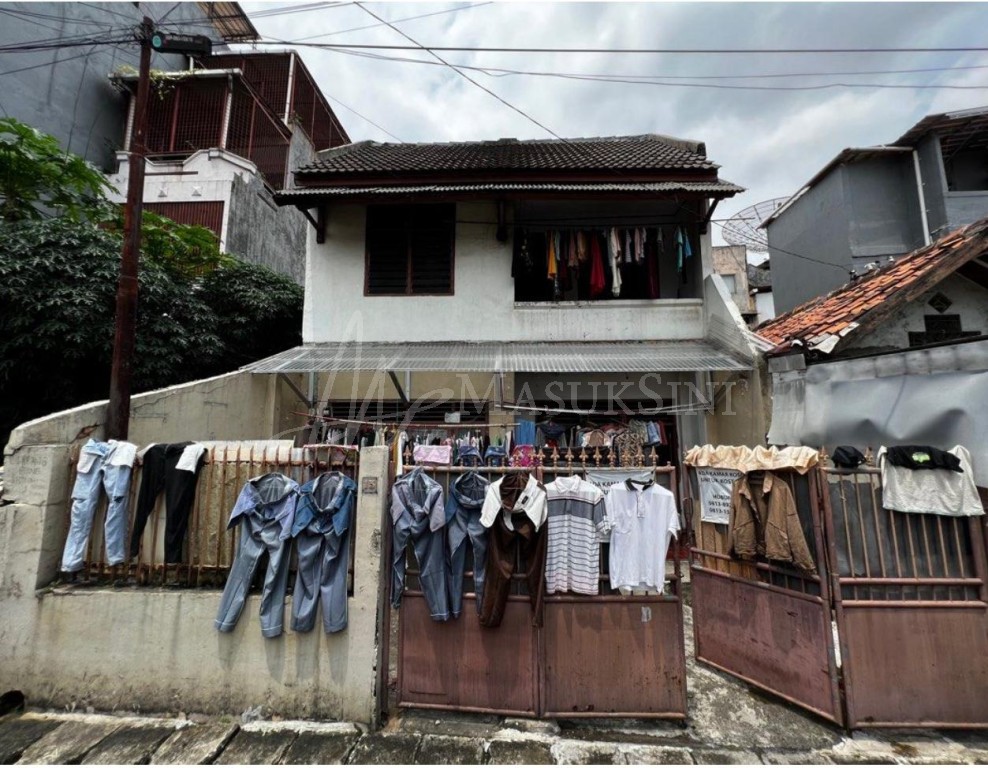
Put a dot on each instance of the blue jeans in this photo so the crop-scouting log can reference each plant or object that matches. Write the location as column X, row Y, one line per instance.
column 260, row 532
column 323, row 559
column 115, row 479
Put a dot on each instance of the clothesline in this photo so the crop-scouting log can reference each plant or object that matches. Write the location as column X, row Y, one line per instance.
column 408, row 425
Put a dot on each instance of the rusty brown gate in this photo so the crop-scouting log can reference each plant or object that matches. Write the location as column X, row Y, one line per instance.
column 764, row 623
column 902, row 595
column 912, row 608
column 594, row 656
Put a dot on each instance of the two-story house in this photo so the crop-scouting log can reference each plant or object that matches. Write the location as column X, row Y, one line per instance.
column 496, row 282
column 870, row 204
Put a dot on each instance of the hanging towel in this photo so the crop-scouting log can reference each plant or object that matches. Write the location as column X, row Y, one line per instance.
column 628, row 246
column 639, row 244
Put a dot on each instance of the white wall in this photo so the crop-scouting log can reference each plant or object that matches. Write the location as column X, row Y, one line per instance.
column 205, row 176
column 969, row 300
column 764, row 306
column 482, row 307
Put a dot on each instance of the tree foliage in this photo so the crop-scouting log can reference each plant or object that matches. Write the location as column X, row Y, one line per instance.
column 37, row 175
column 200, row 312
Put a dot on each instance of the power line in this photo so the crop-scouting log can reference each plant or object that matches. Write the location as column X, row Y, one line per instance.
column 363, row 117
column 168, row 13
column 461, row 74
column 394, row 21
column 105, row 9
column 670, row 51
column 651, row 80
column 28, row 47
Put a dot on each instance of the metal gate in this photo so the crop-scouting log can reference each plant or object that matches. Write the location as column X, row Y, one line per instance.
column 763, row 623
column 905, row 594
column 912, row 608
column 594, row 656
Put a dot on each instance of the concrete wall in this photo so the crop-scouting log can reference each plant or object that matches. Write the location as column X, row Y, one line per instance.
column 732, row 260
column 483, row 307
column 254, row 228
column 859, row 213
column 816, row 226
column 153, row 649
column 969, row 300
column 883, row 207
column 934, row 184
column 67, row 93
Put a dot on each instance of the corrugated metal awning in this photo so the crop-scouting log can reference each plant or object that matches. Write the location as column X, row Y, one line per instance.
column 508, row 357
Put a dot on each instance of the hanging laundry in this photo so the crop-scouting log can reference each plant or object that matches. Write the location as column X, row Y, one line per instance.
column 597, row 280
column 614, row 264
column 321, row 532
column 577, row 522
column 265, row 512
column 628, row 246
column 463, row 527
column 639, row 244
column 418, row 516
column 683, row 249
column 514, row 511
column 652, row 257
column 764, row 521
column 553, row 243
column 613, row 244
column 643, row 520
column 581, row 246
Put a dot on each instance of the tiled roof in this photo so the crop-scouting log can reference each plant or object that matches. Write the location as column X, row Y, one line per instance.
column 759, row 276
column 716, row 188
column 822, row 323
column 649, row 152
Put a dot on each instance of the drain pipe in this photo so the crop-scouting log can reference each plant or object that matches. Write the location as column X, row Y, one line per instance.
column 922, row 199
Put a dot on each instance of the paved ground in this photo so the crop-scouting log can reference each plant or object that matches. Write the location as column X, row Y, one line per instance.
column 729, row 723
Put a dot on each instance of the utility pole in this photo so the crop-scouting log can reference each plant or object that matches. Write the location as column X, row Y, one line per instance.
column 118, row 411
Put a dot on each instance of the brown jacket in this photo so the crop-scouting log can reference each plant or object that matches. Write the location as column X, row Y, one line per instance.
column 766, row 524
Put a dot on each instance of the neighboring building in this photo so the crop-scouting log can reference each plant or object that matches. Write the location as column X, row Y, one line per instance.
column 222, row 139
column 430, row 262
column 731, row 263
column 899, row 355
column 872, row 203
column 65, row 92
column 760, row 289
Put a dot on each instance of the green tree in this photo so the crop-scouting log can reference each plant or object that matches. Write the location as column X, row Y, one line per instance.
column 200, row 312
column 36, row 176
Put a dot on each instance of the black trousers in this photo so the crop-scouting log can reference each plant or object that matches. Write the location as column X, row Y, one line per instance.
column 179, row 485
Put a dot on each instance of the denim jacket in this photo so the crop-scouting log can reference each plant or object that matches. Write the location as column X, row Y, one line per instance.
column 335, row 512
column 418, row 495
column 273, row 495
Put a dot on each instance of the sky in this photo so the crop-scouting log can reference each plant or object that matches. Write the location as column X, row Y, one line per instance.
column 769, row 141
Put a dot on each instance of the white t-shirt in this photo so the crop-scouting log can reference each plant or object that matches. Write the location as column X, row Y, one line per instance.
column 577, row 520
column 642, row 521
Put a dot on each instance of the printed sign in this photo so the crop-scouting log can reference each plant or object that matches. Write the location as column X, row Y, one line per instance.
column 715, row 493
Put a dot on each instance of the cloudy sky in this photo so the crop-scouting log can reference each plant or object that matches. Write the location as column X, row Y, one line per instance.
column 770, row 141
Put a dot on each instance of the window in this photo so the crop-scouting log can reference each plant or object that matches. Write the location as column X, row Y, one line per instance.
column 410, row 250
column 731, row 282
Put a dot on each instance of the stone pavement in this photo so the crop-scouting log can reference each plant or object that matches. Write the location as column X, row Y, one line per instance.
column 729, row 722
column 423, row 738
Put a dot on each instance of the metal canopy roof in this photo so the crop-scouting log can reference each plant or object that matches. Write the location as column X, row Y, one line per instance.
column 498, row 356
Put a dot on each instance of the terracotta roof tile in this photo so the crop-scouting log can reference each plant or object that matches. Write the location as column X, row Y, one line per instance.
column 878, row 292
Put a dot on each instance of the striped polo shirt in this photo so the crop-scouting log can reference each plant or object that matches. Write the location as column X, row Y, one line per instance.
column 576, row 520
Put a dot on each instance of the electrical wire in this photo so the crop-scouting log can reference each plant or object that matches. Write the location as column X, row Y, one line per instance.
column 362, row 117
column 654, row 81
column 394, row 21
column 461, row 74
column 664, row 51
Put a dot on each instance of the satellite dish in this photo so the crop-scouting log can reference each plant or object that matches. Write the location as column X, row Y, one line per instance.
column 742, row 227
